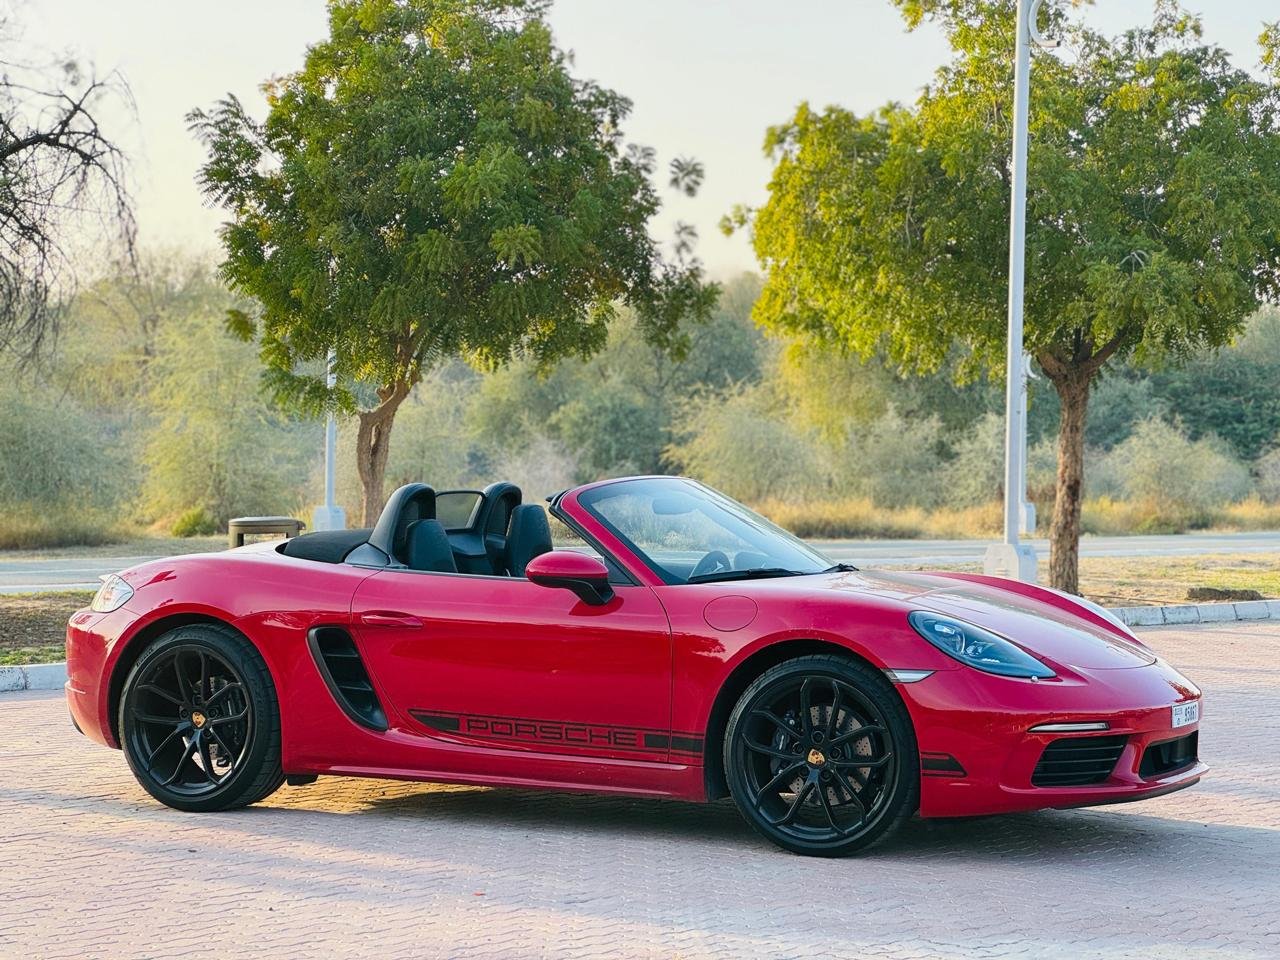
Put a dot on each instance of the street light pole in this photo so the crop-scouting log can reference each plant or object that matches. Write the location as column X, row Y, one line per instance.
column 330, row 516
column 1012, row 558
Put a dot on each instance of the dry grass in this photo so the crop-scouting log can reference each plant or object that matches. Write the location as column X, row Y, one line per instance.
column 129, row 543
column 1139, row 581
column 1132, row 581
column 1248, row 515
column 859, row 518
column 1108, row 517
column 33, row 625
column 25, row 529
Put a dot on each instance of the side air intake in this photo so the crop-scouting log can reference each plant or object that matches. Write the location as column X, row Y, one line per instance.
column 339, row 662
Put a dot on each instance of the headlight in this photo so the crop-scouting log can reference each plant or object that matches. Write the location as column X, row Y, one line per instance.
column 977, row 648
column 112, row 595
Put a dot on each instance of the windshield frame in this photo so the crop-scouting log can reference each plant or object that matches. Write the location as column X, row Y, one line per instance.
column 586, row 498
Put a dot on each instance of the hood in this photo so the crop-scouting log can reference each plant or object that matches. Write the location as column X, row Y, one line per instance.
column 1045, row 629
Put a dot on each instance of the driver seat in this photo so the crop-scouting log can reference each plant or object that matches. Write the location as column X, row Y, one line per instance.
column 528, row 536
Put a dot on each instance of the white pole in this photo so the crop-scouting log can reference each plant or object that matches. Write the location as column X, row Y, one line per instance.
column 1011, row 558
column 330, row 516
column 330, row 440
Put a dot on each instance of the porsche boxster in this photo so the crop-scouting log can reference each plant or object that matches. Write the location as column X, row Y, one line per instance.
column 668, row 642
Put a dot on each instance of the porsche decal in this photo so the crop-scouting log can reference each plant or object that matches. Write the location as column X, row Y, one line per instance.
column 552, row 733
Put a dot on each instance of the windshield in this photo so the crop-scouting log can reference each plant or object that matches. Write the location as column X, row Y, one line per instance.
column 688, row 533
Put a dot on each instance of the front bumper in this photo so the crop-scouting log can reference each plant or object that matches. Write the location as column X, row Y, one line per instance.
column 91, row 639
column 978, row 754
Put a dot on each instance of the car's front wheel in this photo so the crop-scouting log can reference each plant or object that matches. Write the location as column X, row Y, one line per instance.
column 821, row 757
column 199, row 720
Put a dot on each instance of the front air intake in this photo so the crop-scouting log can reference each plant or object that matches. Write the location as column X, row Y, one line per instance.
column 1167, row 757
column 1078, row 761
column 339, row 663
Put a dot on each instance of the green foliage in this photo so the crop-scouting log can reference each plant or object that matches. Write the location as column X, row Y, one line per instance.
column 60, row 471
column 1158, row 463
column 434, row 443
column 196, row 522
column 895, row 460
column 435, row 183
column 740, row 442
column 1153, row 214
column 214, row 442
column 1233, row 392
column 111, row 330
column 615, row 411
column 1119, row 403
column 1268, row 476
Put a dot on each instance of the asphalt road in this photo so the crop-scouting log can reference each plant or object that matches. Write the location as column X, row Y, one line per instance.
column 22, row 576
column 93, row 867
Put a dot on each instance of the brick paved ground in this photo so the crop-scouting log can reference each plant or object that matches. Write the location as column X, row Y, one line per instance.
column 92, row 867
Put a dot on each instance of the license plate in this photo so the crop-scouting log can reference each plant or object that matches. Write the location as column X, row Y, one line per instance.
column 1186, row 713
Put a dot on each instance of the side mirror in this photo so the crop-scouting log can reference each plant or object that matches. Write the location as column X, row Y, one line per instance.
column 586, row 576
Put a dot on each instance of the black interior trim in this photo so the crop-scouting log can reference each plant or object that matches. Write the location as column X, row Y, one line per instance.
column 336, row 657
column 413, row 501
column 325, row 546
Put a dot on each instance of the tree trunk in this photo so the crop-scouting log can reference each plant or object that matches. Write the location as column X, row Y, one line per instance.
column 1064, row 534
column 373, row 445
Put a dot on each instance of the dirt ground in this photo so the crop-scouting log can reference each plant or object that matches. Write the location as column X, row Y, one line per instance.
column 32, row 625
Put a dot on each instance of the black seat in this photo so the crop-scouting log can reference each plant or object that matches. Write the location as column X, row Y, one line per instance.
column 427, row 547
column 528, row 536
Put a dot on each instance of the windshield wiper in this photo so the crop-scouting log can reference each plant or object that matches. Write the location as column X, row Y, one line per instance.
column 841, row 568
column 755, row 573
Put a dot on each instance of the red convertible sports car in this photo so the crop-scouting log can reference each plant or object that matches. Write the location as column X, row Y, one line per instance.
column 679, row 646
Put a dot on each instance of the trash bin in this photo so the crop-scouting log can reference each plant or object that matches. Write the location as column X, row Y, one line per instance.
column 241, row 527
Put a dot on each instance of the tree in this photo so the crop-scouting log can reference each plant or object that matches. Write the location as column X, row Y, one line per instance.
column 58, row 168
column 110, row 330
column 215, row 444
column 433, row 183
column 1153, row 212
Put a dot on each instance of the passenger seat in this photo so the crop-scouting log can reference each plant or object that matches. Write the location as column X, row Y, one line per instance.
column 427, row 547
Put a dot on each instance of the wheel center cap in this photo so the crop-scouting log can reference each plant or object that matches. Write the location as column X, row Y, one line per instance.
column 198, row 719
column 816, row 757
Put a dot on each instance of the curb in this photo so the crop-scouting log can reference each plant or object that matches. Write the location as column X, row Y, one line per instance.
column 1246, row 610
column 51, row 676
column 33, row 676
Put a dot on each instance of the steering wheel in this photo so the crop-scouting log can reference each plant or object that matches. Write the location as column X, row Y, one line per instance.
column 713, row 562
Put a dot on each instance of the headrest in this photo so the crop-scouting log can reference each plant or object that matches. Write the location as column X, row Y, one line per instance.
column 413, row 501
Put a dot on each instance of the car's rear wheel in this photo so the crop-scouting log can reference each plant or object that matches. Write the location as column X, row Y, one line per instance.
column 821, row 757
column 199, row 720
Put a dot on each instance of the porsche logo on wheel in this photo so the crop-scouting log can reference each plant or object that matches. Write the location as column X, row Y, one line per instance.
column 816, row 757
column 198, row 719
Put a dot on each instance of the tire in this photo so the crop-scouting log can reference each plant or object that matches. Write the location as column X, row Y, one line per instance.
column 829, row 780
column 200, row 722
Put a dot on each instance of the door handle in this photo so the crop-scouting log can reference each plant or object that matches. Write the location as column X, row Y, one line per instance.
column 382, row 618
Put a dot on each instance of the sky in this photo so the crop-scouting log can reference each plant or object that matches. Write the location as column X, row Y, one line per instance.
column 707, row 78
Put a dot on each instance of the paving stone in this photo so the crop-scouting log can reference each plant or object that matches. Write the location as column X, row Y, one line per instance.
column 90, row 866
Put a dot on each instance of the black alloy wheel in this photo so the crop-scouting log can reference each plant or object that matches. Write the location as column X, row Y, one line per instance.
column 199, row 720
column 821, row 757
